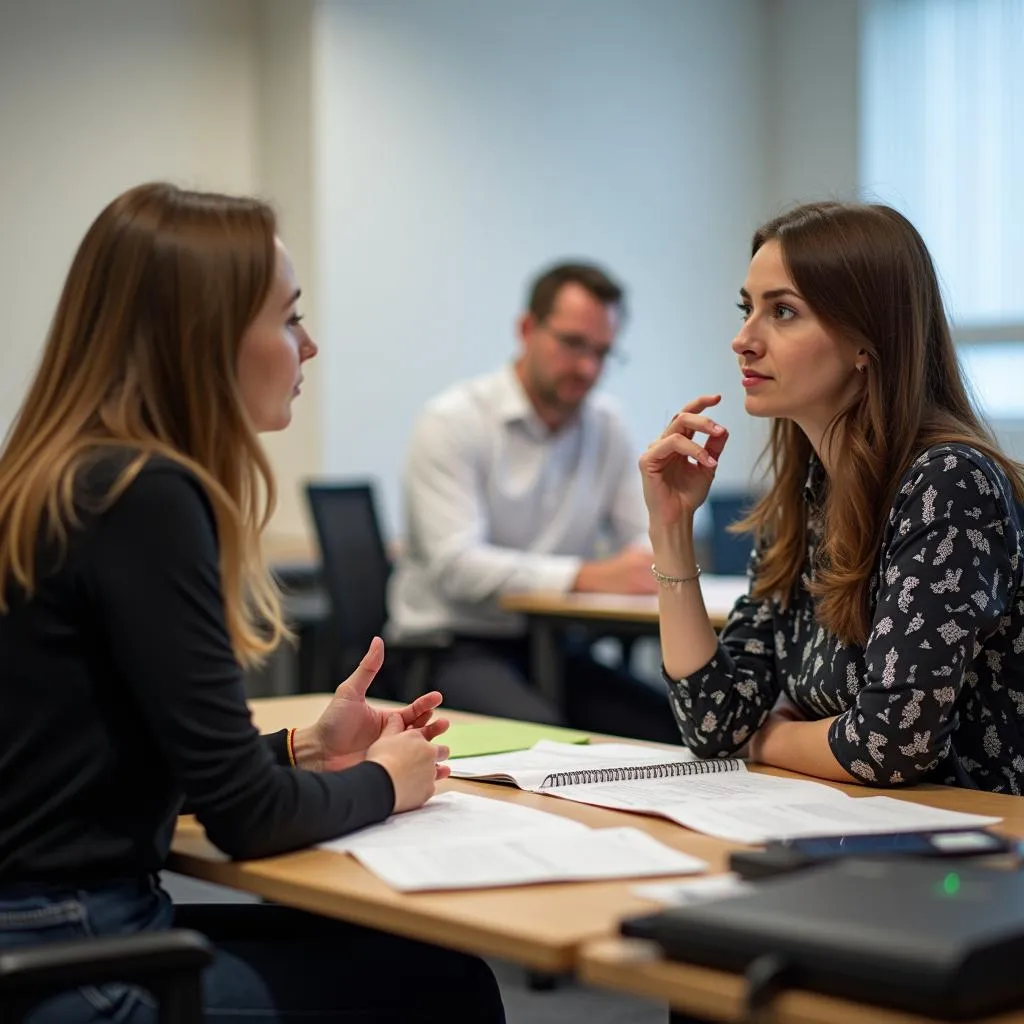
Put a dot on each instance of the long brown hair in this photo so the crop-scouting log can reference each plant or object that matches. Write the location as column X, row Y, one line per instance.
column 141, row 356
column 868, row 277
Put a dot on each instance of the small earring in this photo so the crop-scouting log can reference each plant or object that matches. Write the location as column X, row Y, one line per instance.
column 862, row 369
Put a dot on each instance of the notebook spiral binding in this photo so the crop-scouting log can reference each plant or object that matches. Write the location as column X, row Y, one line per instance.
column 587, row 776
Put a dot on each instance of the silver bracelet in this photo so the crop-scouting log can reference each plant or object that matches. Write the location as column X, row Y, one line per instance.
column 673, row 581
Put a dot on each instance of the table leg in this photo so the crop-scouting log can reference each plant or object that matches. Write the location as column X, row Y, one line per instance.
column 308, row 661
column 546, row 662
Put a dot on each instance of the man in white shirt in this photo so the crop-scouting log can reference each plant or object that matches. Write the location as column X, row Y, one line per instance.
column 517, row 481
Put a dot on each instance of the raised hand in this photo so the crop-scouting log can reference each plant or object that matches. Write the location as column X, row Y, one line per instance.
column 411, row 760
column 677, row 471
column 348, row 726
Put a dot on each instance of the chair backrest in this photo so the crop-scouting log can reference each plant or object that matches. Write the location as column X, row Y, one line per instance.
column 355, row 564
column 730, row 552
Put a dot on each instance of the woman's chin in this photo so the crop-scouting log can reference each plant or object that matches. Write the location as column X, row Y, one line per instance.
column 753, row 405
column 274, row 424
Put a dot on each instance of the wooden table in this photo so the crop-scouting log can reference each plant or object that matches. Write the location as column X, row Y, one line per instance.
column 637, row 967
column 541, row 927
column 288, row 551
column 626, row 965
column 295, row 561
column 553, row 927
column 549, row 614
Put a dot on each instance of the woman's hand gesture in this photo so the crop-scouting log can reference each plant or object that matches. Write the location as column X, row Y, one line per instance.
column 348, row 725
column 676, row 470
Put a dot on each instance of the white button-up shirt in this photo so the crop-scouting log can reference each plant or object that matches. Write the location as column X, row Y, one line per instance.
column 496, row 502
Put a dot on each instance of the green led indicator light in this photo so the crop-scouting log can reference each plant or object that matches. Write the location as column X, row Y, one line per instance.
column 951, row 884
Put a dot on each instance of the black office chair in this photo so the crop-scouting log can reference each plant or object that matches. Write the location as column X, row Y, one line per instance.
column 730, row 552
column 356, row 568
column 167, row 963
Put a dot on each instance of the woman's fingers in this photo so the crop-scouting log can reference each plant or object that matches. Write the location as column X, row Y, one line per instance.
column 359, row 681
column 675, row 446
column 431, row 730
column 716, row 444
column 426, row 702
column 701, row 402
column 690, row 423
column 419, row 711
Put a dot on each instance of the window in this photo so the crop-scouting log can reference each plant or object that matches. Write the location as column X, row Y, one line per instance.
column 942, row 140
column 996, row 373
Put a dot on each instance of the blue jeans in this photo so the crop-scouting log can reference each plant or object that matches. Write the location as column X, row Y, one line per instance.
column 272, row 965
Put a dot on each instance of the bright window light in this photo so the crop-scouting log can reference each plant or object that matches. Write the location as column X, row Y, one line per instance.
column 942, row 105
column 996, row 374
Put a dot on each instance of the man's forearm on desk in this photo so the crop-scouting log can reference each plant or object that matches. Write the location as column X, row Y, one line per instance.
column 486, row 572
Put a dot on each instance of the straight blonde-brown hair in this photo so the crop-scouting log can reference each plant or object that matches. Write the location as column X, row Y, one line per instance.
column 141, row 355
column 867, row 275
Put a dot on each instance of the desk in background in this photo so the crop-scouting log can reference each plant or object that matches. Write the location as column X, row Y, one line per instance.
column 547, row 614
column 295, row 563
column 554, row 927
column 291, row 553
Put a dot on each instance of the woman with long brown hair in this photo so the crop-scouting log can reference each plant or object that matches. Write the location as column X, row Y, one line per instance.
column 133, row 489
column 886, row 603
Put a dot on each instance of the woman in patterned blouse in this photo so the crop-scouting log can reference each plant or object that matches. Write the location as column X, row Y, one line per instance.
column 886, row 603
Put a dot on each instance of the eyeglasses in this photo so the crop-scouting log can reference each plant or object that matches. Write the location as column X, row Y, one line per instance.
column 577, row 346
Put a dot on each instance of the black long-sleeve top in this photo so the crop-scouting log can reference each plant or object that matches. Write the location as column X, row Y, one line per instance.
column 937, row 692
column 120, row 696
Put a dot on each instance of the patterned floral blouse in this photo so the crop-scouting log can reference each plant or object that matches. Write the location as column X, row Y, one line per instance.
column 937, row 692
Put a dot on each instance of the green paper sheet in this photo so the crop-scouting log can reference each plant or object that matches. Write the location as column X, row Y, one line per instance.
column 468, row 739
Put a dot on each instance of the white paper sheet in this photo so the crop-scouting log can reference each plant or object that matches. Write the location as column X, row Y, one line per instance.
column 753, row 808
column 533, row 857
column 456, row 818
column 749, row 822
column 694, row 890
column 666, row 797
column 529, row 768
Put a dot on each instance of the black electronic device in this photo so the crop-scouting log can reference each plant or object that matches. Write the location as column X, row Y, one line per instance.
column 792, row 854
column 942, row 938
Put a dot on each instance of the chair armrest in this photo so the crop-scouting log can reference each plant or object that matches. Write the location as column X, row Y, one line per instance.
column 305, row 607
column 57, row 966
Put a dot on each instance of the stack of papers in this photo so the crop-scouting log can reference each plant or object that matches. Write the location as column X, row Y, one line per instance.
column 458, row 841
column 719, row 798
column 462, row 841
column 695, row 890
column 753, row 808
column 531, row 769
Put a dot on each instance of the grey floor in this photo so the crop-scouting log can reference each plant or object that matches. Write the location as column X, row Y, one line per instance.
column 568, row 1002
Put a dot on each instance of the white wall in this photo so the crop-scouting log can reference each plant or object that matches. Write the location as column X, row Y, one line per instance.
column 464, row 144
column 99, row 96
column 426, row 157
column 811, row 108
column 285, row 162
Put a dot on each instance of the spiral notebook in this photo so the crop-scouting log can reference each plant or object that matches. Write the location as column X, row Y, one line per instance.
column 547, row 765
column 718, row 797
